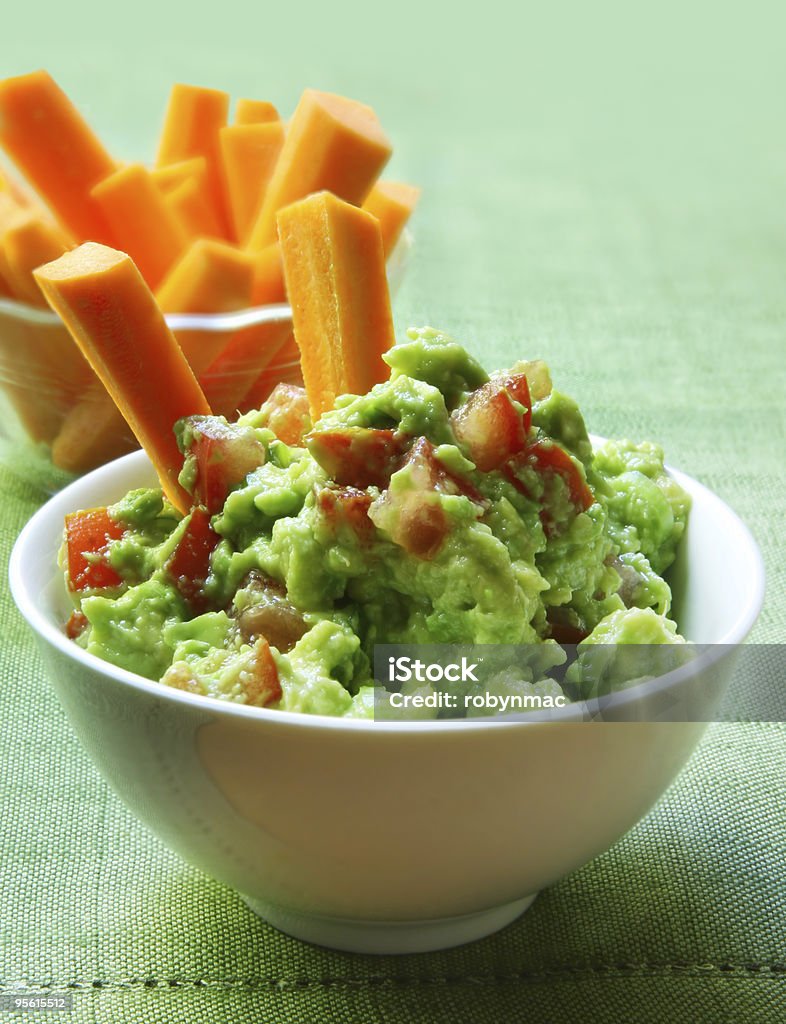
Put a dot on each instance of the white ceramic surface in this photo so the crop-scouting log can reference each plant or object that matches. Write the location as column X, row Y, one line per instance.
column 386, row 836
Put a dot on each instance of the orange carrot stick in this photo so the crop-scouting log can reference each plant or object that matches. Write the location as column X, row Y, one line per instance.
column 171, row 175
column 211, row 277
column 284, row 367
column 54, row 147
column 230, row 375
column 93, row 432
column 141, row 221
column 269, row 286
column 193, row 120
column 255, row 112
column 112, row 315
column 27, row 242
column 190, row 204
column 334, row 267
column 250, row 350
column 392, row 203
column 9, row 212
column 332, row 143
column 249, row 153
column 14, row 189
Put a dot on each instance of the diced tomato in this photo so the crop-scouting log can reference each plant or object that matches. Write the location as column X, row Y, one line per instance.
column 358, row 456
column 422, row 527
column 490, row 425
column 564, row 632
column 261, row 680
column 76, row 625
column 429, row 473
column 225, row 455
column 88, row 535
column 548, row 458
column 189, row 564
column 287, row 413
column 346, row 506
column 414, row 518
column 517, row 386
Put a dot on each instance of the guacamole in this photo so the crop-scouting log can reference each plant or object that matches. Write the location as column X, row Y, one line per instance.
column 447, row 505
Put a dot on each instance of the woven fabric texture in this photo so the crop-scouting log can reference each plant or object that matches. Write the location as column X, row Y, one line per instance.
column 602, row 190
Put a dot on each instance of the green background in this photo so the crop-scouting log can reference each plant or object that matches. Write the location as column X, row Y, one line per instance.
column 604, row 186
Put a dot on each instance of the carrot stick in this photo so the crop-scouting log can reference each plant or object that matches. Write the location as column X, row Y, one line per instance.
column 285, row 366
column 332, row 143
column 141, row 221
column 193, row 120
column 392, row 203
column 55, row 149
column 171, row 175
column 248, row 352
column 211, row 277
column 93, row 432
column 334, row 267
column 232, row 372
column 27, row 242
column 9, row 185
column 9, row 212
column 112, row 315
column 255, row 112
column 249, row 153
column 190, row 204
column 269, row 286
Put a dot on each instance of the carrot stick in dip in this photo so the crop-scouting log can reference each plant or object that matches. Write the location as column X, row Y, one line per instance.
column 112, row 315
column 334, row 267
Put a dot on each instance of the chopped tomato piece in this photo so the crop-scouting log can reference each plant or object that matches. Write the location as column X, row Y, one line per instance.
column 346, row 506
column 88, row 535
column 76, row 625
column 287, row 413
column 225, row 455
column 546, row 456
column 358, row 456
column 517, row 386
column 414, row 518
column 564, row 632
column 261, row 680
column 490, row 425
column 189, row 564
column 548, row 459
column 430, row 473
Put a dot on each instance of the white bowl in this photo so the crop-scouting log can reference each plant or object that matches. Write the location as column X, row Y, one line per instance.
column 384, row 836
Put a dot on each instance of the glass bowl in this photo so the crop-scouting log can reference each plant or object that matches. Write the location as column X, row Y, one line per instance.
column 55, row 414
column 56, row 419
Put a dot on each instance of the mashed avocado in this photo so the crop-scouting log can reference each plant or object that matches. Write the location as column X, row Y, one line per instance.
column 444, row 506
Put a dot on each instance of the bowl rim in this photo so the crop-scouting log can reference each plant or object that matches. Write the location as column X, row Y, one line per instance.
column 238, row 319
column 64, row 501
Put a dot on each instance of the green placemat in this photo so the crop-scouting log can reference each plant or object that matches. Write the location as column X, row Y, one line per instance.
column 604, row 186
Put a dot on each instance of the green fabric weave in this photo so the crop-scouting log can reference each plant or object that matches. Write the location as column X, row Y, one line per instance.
column 604, row 188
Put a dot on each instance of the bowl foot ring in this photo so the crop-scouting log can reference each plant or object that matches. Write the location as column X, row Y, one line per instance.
column 387, row 937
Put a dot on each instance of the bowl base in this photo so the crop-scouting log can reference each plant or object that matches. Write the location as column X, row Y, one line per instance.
column 387, row 937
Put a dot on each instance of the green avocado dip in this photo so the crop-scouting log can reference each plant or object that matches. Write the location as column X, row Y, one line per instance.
column 444, row 506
